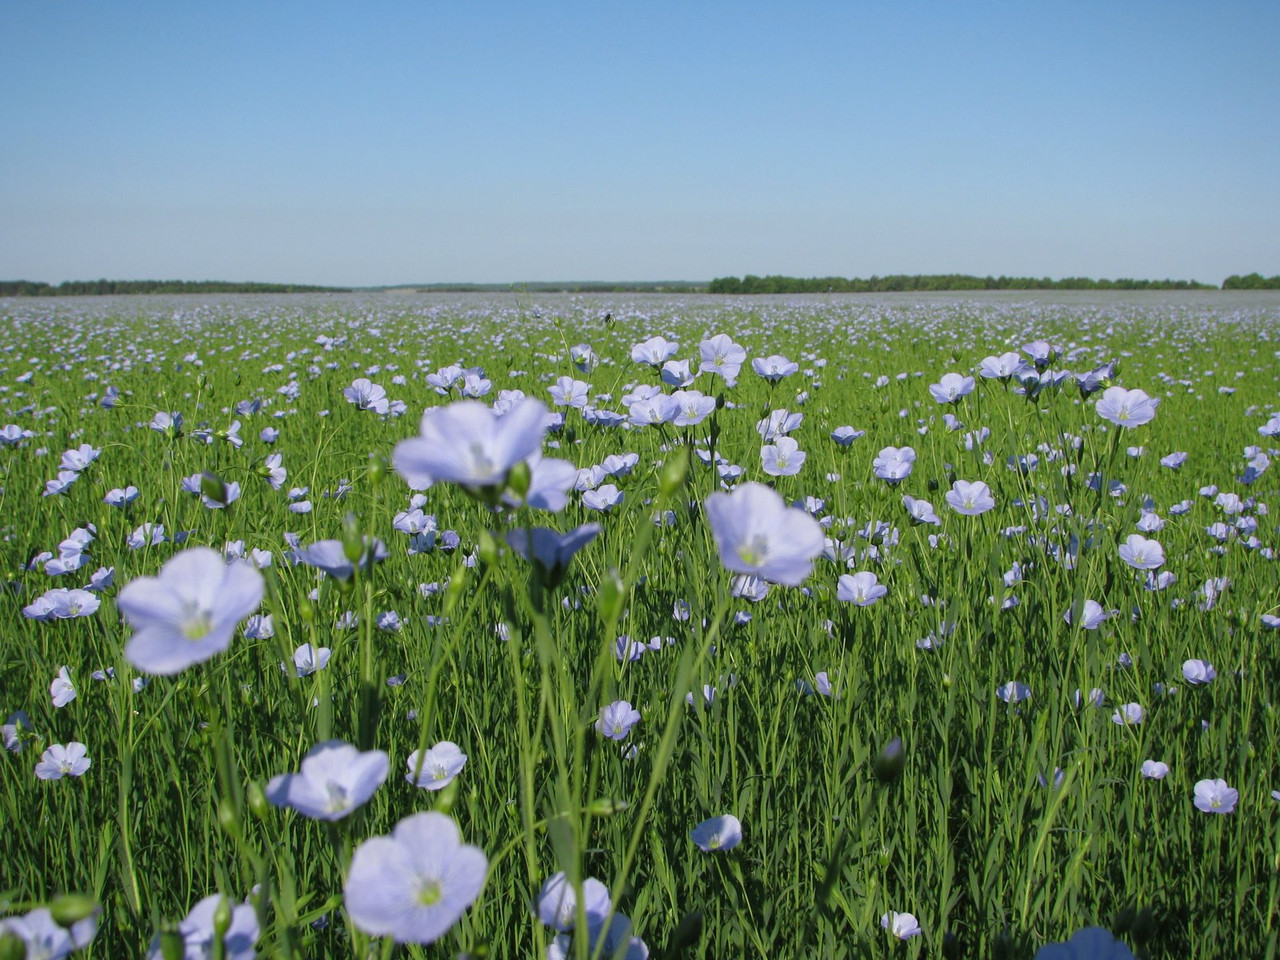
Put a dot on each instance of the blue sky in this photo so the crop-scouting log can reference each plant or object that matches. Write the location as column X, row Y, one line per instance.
column 383, row 143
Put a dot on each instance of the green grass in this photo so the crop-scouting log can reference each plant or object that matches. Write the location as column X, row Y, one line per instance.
column 966, row 838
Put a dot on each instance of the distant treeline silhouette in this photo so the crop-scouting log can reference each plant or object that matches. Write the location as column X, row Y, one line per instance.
column 935, row 282
column 98, row 288
column 1251, row 281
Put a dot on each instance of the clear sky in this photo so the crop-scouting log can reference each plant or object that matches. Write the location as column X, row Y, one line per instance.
column 381, row 143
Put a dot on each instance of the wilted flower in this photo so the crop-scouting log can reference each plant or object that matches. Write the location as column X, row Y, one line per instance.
column 413, row 885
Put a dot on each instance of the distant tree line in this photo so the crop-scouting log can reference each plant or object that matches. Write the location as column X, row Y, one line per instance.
column 98, row 288
column 1251, row 281
column 935, row 282
column 568, row 286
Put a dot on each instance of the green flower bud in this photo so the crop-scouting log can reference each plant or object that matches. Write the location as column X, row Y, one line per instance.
column 674, row 472
column 377, row 469
column 613, row 597
column 212, row 486
column 222, row 919
column 257, row 800
column 518, row 479
column 228, row 817
column 12, row 947
column 172, row 945
column 352, row 543
column 607, row 806
column 71, row 908
column 890, row 761
column 488, row 549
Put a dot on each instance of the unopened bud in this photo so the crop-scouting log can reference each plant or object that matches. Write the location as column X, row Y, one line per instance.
column 71, row 908
column 519, row 478
column 606, row 806
column 889, row 763
column 257, row 800
column 377, row 469
column 453, row 592
column 674, row 472
column 613, row 597
column 352, row 544
column 12, row 947
column 221, row 918
column 488, row 549
column 228, row 818
column 173, row 945
column 211, row 486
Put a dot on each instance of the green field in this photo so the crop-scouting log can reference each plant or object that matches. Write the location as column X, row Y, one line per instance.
column 1006, row 821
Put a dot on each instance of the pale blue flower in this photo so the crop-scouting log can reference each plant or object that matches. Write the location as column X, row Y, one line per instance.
column 188, row 613
column 1215, row 796
column 60, row 761
column 756, row 533
column 617, row 719
column 335, row 779
column 415, row 884
column 717, row 833
column 197, row 932
column 439, row 766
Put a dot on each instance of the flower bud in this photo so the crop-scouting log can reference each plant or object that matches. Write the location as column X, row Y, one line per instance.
column 890, row 761
column 221, row 919
column 212, row 486
column 71, row 908
column 674, row 472
column 352, row 544
column 12, row 947
column 606, row 806
column 613, row 597
column 453, row 592
column 172, row 945
column 377, row 469
column 518, row 479
column 257, row 800
column 488, row 549
column 228, row 818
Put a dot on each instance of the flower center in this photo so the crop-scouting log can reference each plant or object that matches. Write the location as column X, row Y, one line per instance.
column 429, row 893
column 338, row 800
column 197, row 625
column 754, row 551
